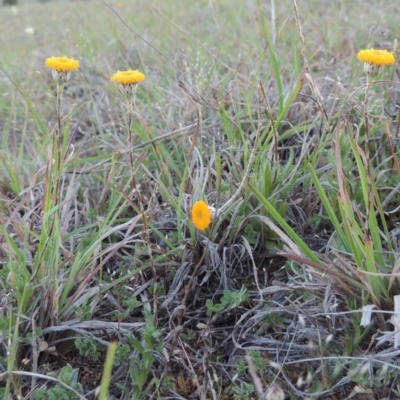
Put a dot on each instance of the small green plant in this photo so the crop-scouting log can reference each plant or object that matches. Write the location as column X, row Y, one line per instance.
column 259, row 363
column 122, row 355
column 141, row 360
column 88, row 347
column 275, row 319
column 241, row 367
column 244, row 391
column 84, row 313
column 167, row 383
column 69, row 377
column 130, row 305
column 229, row 301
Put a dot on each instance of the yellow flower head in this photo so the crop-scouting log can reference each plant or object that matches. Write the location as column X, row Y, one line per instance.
column 201, row 215
column 376, row 57
column 62, row 64
column 128, row 77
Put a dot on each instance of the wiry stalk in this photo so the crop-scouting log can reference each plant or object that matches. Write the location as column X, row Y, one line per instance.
column 58, row 148
column 367, row 159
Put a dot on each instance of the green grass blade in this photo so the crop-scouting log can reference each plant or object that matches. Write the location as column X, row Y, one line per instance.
column 285, row 226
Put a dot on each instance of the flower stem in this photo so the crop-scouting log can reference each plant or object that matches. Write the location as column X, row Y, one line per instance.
column 57, row 148
column 367, row 159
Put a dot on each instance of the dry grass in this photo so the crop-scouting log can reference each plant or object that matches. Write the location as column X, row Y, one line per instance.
column 272, row 293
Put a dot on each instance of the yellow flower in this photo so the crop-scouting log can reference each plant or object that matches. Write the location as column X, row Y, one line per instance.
column 201, row 215
column 62, row 64
column 128, row 77
column 376, row 57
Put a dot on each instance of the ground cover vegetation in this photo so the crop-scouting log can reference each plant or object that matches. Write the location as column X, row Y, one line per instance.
column 199, row 201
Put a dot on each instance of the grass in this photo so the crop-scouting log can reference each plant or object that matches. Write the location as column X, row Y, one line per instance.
column 108, row 289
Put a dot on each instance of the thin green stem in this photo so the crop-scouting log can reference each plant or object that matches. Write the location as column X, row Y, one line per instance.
column 367, row 160
column 58, row 147
column 129, row 105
